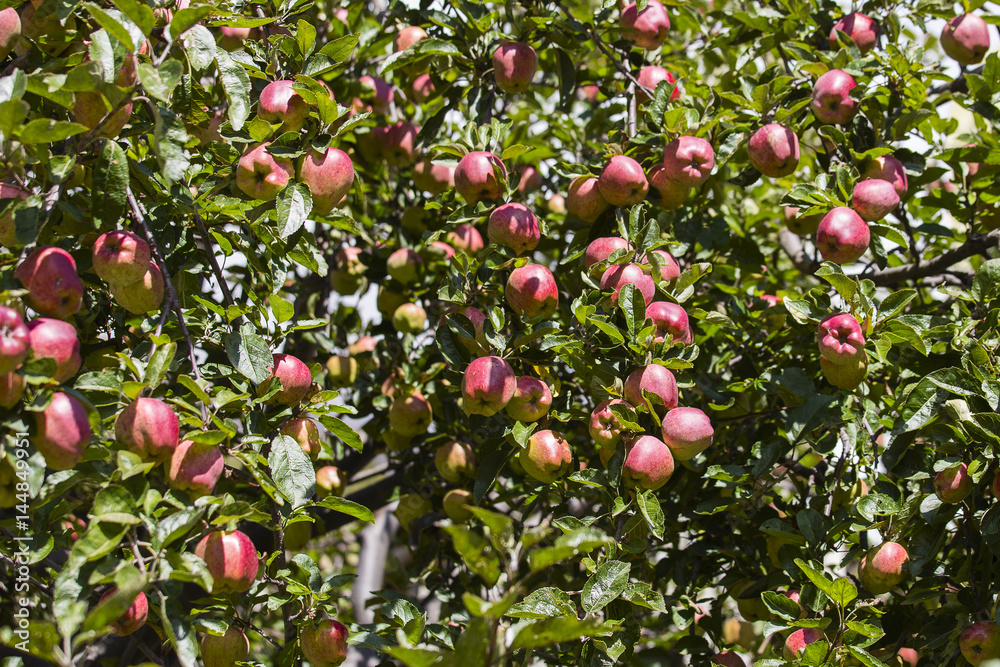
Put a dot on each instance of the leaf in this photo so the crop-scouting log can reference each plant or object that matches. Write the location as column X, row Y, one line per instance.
column 642, row 594
column 573, row 543
column 606, row 584
column 236, row 83
column 249, row 354
column 110, row 183
column 649, row 505
column 894, row 304
column 138, row 13
column 171, row 135
column 349, row 507
column 477, row 553
column 200, row 46
column 293, row 206
column 556, row 630
column 291, row 470
column 544, row 603
column 633, row 306
column 110, row 23
column 420, row 50
column 188, row 17
column 48, row 131
column 160, row 81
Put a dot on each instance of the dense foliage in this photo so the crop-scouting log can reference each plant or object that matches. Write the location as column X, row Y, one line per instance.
column 608, row 511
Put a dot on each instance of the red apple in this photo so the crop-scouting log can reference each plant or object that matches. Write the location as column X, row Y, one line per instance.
column 10, row 31
column 232, row 39
column 480, row 175
column 399, row 144
column 646, row 29
column 11, row 389
column 195, row 468
column 261, row 175
column 531, row 401
column 953, row 485
column 487, row 386
column 379, row 92
column 840, row 338
column 797, row 642
column 62, row 432
column 859, row 28
column 617, row 276
column 584, row 199
column 148, row 427
column 670, row 319
column 669, row 268
column 514, row 66
column 410, row 415
column 530, row 180
column 329, row 177
column 688, row 161
column 405, row 265
column 650, row 76
column 15, row 339
column 803, row 225
column 980, row 641
column 774, row 150
column 57, row 340
column 842, row 236
column 605, row 428
column 648, row 464
column 831, row 98
column 294, row 377
column 455, row 461
column 888, row 168
column 881, row 568
column 280, row 103
column 653, row 379
column 433, row 177
column 407, row 37
column 599, row 250
column 465, row 238
column 120, row 257
column 478, row 319
column 728, row 659
column 329, row 481
column 8, row 230
column 673, row 193
column 514, row 226
column 133, row 618
column 547, row 456
column 623, row 182
column 304, row 432
column 324, row 644
column 231, row 559
column 54, row 288
column 421, row 89
column 143, row 295
column 966, row 39
column 874, row 199
column 225, row 650
column 532, row 291
column 687, row 432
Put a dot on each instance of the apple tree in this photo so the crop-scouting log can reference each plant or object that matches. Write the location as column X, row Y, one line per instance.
column 482, row 333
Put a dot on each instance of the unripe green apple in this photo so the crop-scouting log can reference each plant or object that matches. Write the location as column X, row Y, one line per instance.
column 454, row 505
column 411, row 507
column 409, row 318
column 225, row 650
column 410, row 415
column 342, row 370
column 455, row 461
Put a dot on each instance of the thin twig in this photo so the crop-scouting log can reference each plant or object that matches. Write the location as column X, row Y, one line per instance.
column 207, row 246
column 633, row 110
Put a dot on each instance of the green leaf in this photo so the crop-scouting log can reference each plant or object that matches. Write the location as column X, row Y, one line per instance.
column 186, row 18
column 551, row 631
column 236, row 83
column 110, row 182
column 895, row 303
column 110, row 23
column 544, row 603
column 48, row 131
column 642, row 595
column 340, row 429
column 291, row 470
column 159, row 364
column 570, row 545
column 171, row 135
column 249, row 353
column 349, row 507
column 293, row 206
column 781, row 605
column 633, row 305
column 649, row 505
column 419, row 51
column 138, row 13
column 606, row 584
column 160, row 81
column 200, row 46
column 477, row 553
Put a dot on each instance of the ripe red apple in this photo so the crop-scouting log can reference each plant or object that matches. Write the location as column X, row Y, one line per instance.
column 803, row 225
column 881, row 568
column 399, row 144
column 831, row 98
column 953, row 485
column 407, row 37
column 454, row 503
column 646, row 29
column 623, row 182
column 465, row 238
column 980, row 641
column 225, row 650
column 90, row 108
column 8, row 230
column 324, row 644
column 547, row 456
column 669, row 268
column 840, row 338
column 195, row 468
column 653, row 379
column 514, row 226
column 774, row 150
column 842, row 236
column 874, row 199
column 54, row 288
column 305, row 432
column 478, row 319
column 617, row 276
column 143, row 295
column 133, row 618
column 294, row 377
column 861, row 29
column 532, row 291
column 433, row 177
column 966, row 39
column 57, row 340
column 584, row 199
column 650, row 76
column 728, row 659
column 455, row 461
column 329, row 481
column 261, row 175
column 120, row 257
column 348, row 271
column 62, row 432
column 687, row 432
column 648, row 464
column 379, row 92
column 232, row 39
column 487, row 386
column 15, row 340
column 688, row 161
column 797, row 642
column 329, row 177
column 280, row 103
column 410, row 415
column 11, row 390
column 845, row 376
column 530, row 180
column 148, row 427
column 599, row 250
column 231, row 559
column 670, row 319
column 480, row 175
column 673, row 193
column 409, row 318
column 605, row 428
column 405, row 265
column 531, row 401
column 888, row 168
column 10, row 31
column 556, row 204
column 514, row 66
